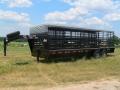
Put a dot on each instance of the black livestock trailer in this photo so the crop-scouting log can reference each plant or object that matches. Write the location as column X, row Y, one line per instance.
column 57, row 41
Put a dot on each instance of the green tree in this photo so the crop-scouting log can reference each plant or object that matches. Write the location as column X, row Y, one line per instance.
column 1, row 38
column 116, row 40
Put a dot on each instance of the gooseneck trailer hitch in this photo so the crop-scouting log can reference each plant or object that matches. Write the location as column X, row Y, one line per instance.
column 12, row 37
column 31, row 41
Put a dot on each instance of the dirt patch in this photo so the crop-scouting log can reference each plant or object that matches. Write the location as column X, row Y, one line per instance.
column 96, row 85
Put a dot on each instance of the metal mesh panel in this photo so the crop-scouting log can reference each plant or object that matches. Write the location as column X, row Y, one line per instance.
column 38, row 29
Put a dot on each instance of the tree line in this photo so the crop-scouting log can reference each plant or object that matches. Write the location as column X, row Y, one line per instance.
column 19, row 40
column 116, row 40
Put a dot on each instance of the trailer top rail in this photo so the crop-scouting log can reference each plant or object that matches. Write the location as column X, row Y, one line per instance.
column 44, row 28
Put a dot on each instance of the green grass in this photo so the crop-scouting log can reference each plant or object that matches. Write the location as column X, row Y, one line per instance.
column 19, row 69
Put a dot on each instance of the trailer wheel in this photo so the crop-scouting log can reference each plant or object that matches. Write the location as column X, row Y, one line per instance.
column 96, row 53
column 103, row 53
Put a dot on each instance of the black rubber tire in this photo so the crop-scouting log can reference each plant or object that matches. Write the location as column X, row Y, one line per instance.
column 103, row 53
column 96, row 54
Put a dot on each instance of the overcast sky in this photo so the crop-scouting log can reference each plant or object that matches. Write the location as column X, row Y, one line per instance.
column 22, row 14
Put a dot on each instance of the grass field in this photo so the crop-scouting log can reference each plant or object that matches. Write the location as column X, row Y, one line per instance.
column 19, row 69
